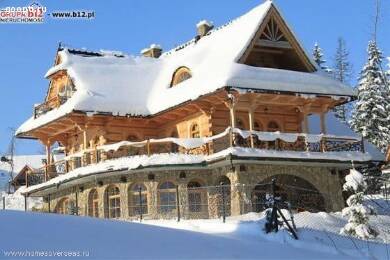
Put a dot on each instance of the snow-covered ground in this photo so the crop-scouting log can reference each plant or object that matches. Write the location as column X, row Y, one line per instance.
column 239, row 238
column 16, row 201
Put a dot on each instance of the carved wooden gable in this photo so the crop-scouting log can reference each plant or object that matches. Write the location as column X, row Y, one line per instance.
column 275, row 46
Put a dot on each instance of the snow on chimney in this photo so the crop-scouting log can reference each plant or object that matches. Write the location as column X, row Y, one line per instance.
column 203, row 27
column 154, row 51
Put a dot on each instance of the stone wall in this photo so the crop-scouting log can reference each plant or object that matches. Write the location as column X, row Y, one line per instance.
column 242, row 180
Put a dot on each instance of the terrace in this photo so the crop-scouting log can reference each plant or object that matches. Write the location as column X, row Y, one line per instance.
column 274, row 145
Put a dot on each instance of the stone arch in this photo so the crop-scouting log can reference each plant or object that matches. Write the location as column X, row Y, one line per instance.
column 223, row 195
column 137, row 199
column 166, row 191
column 112, row 202
column 197, row 198
column 93, row 203
column 300, row 192
column 62, row 206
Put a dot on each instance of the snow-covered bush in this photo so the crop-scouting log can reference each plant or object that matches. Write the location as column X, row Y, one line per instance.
column 357, row 213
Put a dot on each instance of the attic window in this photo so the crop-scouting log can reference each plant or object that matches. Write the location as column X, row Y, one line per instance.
column 180, row 75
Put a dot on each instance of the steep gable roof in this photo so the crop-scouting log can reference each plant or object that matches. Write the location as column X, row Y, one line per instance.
column 140, row 86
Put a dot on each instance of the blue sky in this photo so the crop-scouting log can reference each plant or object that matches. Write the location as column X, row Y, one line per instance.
column 27, row 51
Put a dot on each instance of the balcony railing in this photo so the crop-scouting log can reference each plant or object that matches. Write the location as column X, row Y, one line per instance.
column 49, row 105
column 275, row 141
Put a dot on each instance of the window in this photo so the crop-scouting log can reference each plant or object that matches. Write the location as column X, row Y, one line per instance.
column 240, row 124
column 174, row 147
column 224, row 195
column 180, row 75
column 139, row 199
column 66, row 91
column 258, row 126
column 273, row 126
column 76, row 162
column 167, row 197
column 63, row 206
column 194, row 131
column 132, row 150
column 93, row 204
column 113, row 202
column 194, row 196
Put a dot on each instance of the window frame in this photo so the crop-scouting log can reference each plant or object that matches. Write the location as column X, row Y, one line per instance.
column 180, row 75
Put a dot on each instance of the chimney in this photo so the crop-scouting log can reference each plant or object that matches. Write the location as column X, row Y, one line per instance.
column 154, row 51
column 203, row 27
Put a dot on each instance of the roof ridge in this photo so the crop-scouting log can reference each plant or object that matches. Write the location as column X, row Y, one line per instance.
column 193, row 40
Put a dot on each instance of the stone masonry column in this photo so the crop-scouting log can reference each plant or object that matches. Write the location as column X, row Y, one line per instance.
column 235, row 196
column 152, row 198
column 124, row 200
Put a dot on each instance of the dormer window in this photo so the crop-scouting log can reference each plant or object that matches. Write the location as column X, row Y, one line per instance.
column 180, row 75
column 67, row 90
column 194, row 131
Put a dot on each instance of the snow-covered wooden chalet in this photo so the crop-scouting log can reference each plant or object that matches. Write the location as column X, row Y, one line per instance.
column 231, row 107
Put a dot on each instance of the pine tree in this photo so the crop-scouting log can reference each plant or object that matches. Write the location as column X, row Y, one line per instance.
column 357, row 213
column 318, row 58
column 342, row 72
column 371, row 114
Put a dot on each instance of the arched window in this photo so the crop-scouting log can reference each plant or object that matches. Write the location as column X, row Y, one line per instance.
column 167, row 197
column 113, row 202
column 195, row 194
column 174, row 147
column 225, row 192
column 258, row 126
column 63, row 206
column 93, row 203
column 194, row 131
column 138, row 199
column 131, row 150
column 180, row 75
column 273, row 126
column 240, row 124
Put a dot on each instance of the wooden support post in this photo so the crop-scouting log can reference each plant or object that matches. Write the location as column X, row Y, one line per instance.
column 25, row 202
column 148, row 146
column 48, row 160
column 77, row 201
column 178, row 203
column 48, row 203
column 323, row 122
column 305, row 123
column 232, row 124
column 26, row 178
column 251, row 126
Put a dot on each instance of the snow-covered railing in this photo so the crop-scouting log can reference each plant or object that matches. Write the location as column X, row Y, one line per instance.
column 48, row 105
column 209, row 145
column 188, row 144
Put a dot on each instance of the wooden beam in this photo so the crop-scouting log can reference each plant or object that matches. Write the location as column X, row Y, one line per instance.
column 273, row 44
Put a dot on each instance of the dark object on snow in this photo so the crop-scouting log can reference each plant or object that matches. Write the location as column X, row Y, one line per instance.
column 273, row 213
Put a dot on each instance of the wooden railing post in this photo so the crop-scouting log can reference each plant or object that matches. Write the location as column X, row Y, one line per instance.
column 251, row 126
column 148, row 147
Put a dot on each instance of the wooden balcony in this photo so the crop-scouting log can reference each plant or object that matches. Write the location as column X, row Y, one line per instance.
column 49, row 105
column 256, row 141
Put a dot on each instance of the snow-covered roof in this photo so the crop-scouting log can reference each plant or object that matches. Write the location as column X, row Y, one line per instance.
column 141, row 161
column 335, row 127
column 140, row 86
column 33, row 161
